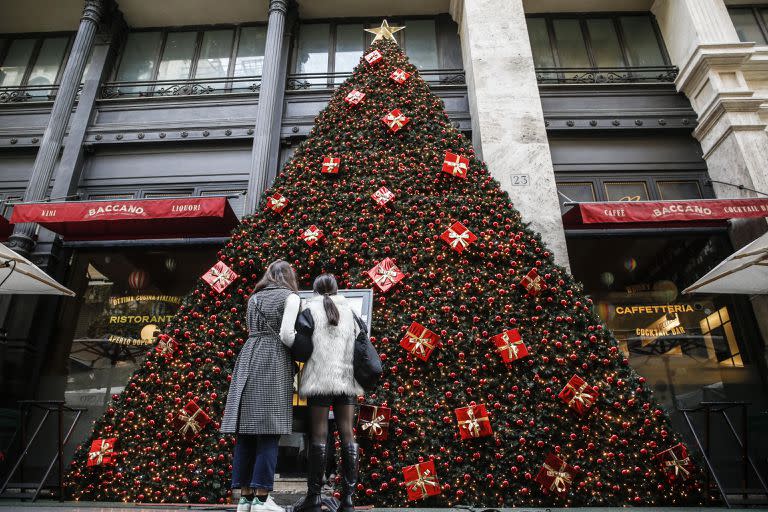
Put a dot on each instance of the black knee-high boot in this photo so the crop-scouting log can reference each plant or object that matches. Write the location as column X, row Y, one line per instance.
column 315, row 474
column 349, row 460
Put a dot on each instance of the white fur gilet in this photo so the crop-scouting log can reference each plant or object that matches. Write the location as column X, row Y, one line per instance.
column 329, row 371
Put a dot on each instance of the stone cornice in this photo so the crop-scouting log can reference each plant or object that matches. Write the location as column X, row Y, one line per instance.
column 708, row 56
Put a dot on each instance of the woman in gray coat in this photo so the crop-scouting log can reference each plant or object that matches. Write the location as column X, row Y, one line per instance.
column 259, row 402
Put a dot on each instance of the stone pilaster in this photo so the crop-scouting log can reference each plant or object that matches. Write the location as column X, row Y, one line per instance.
column 22, row 239
column 270, row 101
column 508, row 128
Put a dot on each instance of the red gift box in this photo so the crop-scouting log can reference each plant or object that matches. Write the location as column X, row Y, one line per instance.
column 421, row 481
column 312, row 235
column 458, row 237
column 420, row 341
column 399, row 76
column 383, row 196
column 331, row 164
column 675, row 462
column 220, row 276
column 455, row 165
column 578, row 395
column 276, row 202
column 510, row 345
column 473, row 422
column 102, row 452
column 354, row 97
column 166, row 346
column 373, row 421
column 555, row 475
column 395, row 120
column 374, row 57
column 191, row 420
column 533, row 282
column 385, row 274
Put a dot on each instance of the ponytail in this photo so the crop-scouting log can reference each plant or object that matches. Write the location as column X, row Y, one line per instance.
column 325, row 284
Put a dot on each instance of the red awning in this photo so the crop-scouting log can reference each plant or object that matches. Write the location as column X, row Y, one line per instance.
column 129, row 219
column 682, row 212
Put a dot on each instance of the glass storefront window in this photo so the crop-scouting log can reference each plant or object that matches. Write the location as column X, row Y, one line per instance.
column 570, row 43
column 689, row 347
column 679, row 190
column 215, row 53
column 641, row 41
column 575, row 193
column 176, row 61
column 126, row 295
column 312, row 53
column 349, row 48
column 626, row 191
column 139, row 59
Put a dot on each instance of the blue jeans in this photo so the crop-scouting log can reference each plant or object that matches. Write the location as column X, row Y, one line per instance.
column 254, row 461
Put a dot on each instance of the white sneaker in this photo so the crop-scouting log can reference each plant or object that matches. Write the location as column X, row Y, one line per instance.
column 244, row 505
column 267, row 506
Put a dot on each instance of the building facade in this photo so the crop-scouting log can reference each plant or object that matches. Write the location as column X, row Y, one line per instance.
column 113, row 101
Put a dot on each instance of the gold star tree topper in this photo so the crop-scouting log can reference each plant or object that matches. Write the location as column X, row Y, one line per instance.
column 384, row 31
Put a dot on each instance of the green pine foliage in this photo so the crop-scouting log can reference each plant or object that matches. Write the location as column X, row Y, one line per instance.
column 465, row 298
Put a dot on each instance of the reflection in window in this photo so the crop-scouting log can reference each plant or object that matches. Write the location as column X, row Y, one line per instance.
column 689, row 347
column 349, row 48
column 570, row 43
column 215, row 53
column 176, row 61
column 250, row 51
column 605, row 43
column 679, row 190
column 139, row 58
column 575, row 193
column 747, row 22
column 33, row 62
column 642, row 44
column 312, row 52
column 542, row 50
column 421, row 43
column 626, row 191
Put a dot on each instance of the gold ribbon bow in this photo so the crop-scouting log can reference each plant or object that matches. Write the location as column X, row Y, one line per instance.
column 422, row 481
column 220, row 276
column 399, row 120
column 457, row 238
column 312, row 236
column 562, row 479
column 104, row 450
column 420, row 343
column 355, row 96
column 510, row 347
column 385, row 275
column 376, row 423
column 678, row 464
column 399, row 75
column 472, row 423
column 277, row 203
column 331, row 164
column 458, row 166
column 383, row 196
column 190, row 423
column 166, row 347
column 533, row 283
column 579, row 395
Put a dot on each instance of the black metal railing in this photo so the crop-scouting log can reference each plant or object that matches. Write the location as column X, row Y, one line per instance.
column 623, row 75
column 313, row 81
column 27, row 93
column 182, row 87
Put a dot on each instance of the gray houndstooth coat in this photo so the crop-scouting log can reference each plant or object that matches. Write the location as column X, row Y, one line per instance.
column 261, row 392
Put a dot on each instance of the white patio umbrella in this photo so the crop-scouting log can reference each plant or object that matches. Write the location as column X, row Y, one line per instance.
column 18, row 275
column 745, row 271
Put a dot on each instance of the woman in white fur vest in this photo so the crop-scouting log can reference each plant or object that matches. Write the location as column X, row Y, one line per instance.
column 328, row 380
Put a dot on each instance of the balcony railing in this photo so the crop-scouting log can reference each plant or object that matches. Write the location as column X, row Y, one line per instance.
column 28, row 93
column 313, row 81
column 182, row 87
column 645, row 74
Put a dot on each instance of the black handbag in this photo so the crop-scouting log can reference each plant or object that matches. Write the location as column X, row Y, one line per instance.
column 367, row 364
column 302, row 342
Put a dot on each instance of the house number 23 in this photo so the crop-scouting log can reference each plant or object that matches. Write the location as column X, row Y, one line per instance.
column 519, row 180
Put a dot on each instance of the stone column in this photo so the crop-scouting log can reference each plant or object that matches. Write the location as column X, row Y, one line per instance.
column 22, row 239
column 508, row 128
column 721, row 75
column 269, row 97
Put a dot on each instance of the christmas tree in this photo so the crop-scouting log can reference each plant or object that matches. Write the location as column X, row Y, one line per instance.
column 501, row 386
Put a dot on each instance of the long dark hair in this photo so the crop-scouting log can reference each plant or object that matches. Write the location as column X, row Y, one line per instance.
column 278, row 273
column 325, row 285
